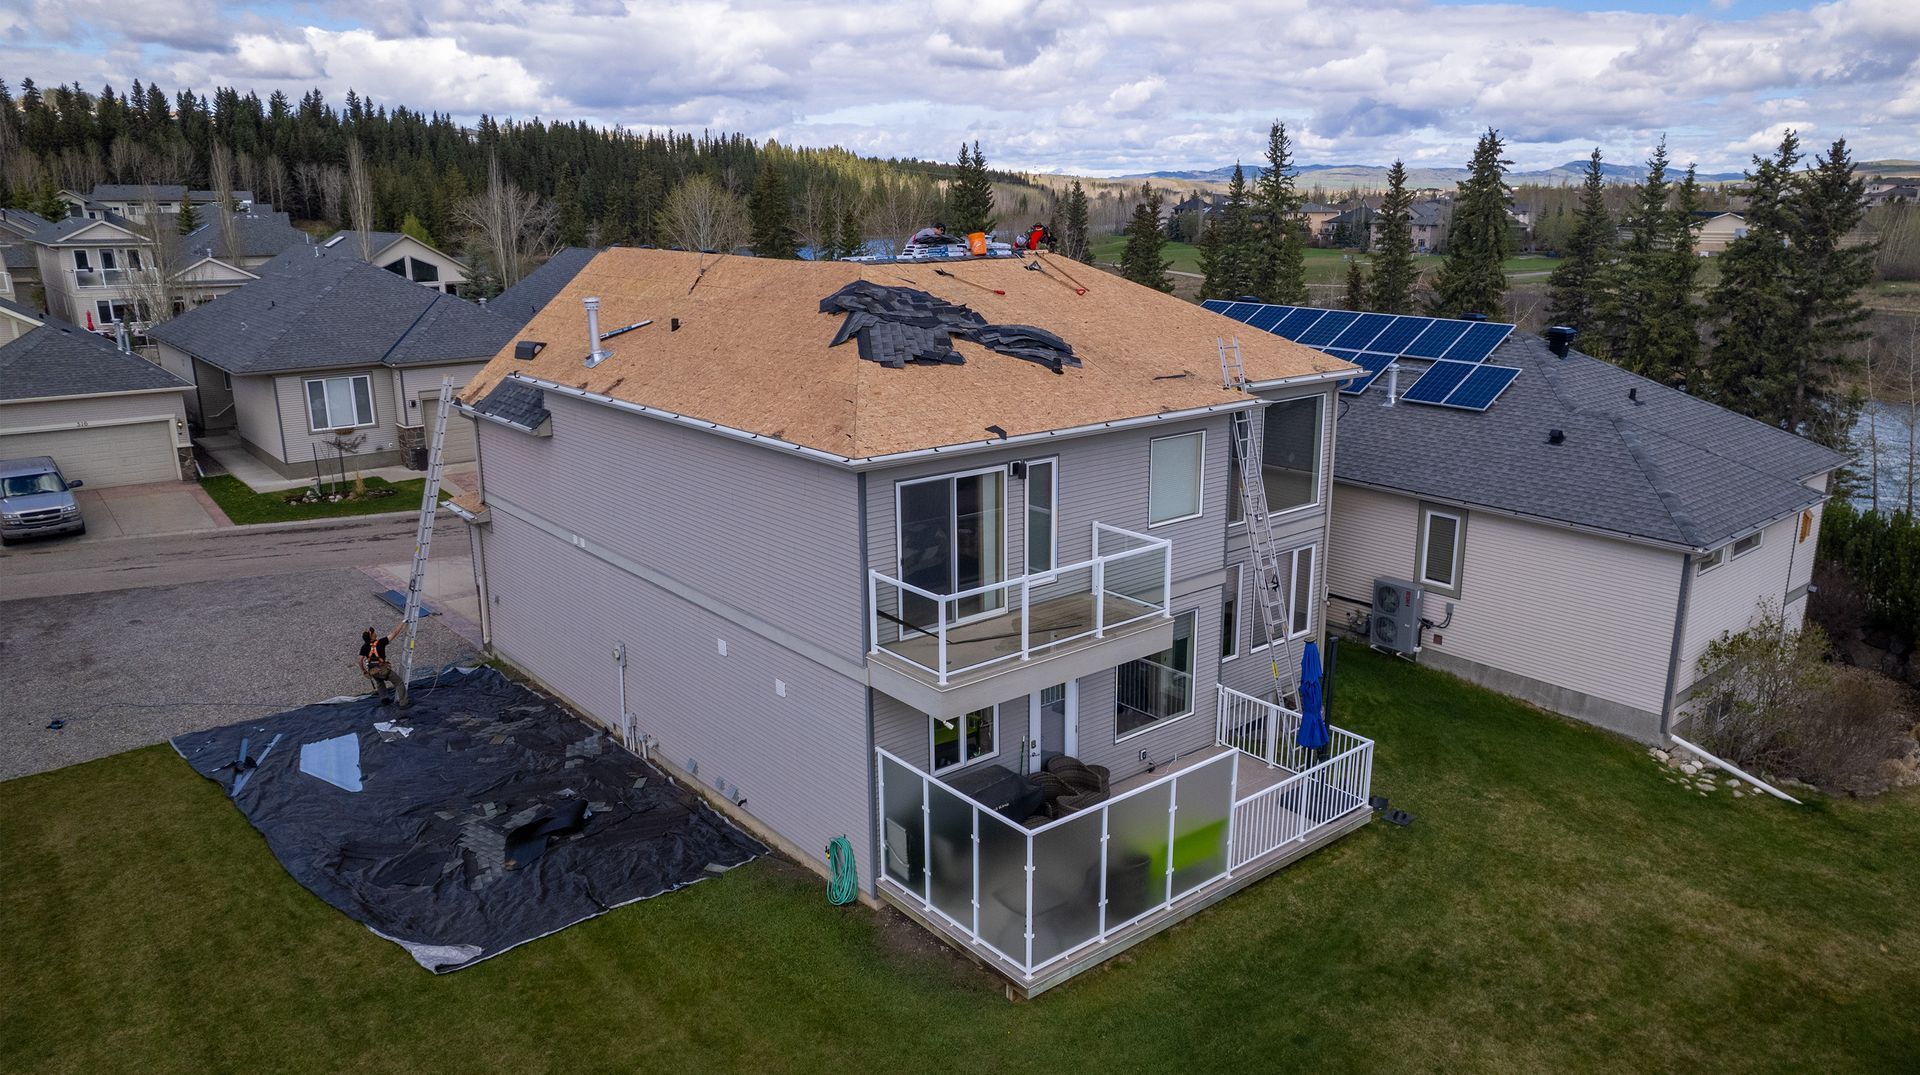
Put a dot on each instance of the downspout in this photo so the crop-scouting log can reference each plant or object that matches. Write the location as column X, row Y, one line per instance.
column 1323, row 570
column 1679, row 638
column 479, row 558
column 869, row 762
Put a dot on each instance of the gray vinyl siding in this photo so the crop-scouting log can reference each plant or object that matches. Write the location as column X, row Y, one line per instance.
column 290, row 390
column 796, row 763
column 1728, row 598
column 95, row 410
column 256, row 413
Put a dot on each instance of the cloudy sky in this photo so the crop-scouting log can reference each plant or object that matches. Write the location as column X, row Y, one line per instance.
column 1100, row 87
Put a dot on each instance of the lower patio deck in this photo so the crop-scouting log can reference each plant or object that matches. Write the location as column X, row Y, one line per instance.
column 1040, row 905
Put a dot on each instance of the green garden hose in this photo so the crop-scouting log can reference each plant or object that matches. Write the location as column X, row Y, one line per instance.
column 844, row 886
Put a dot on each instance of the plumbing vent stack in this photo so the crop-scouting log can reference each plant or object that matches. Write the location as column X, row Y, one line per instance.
column 595, row 353
column 1393, row 383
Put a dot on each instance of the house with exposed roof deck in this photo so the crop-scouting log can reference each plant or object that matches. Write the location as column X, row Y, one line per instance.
column 947, row 559
column 1575, row 535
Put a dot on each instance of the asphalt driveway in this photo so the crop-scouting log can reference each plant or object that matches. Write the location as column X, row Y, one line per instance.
column 131, row 667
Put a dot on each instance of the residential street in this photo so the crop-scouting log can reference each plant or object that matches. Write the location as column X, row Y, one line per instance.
column 131, row 641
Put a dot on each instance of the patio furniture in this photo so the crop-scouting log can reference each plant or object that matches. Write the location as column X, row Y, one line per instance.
column 1078, row 775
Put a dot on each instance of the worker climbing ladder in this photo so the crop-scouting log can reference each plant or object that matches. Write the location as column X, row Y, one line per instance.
column 1269, row 585
column 423, row 537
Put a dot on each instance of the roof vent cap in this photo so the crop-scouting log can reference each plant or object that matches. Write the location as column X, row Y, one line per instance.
column 1555, row 436
column 1560, row 339
column 525, row 350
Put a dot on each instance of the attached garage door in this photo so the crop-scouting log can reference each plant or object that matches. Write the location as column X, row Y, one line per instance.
column 459, row 446
column 102, row 455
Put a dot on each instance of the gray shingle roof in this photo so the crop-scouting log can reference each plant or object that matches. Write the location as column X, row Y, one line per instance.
column 60, row 230
column 1668, row 468
column 162, row 192
column 516, row 403
column 521, row 301
column 309, row 312
column 58, row 359
column 255, row 235
column 18, row 256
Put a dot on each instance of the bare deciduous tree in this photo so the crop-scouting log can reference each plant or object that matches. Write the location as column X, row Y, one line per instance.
column 902, row 205
column 220, row 171
column 512, row 227
column 156, row 284
column 360, row 198
column 701, row 215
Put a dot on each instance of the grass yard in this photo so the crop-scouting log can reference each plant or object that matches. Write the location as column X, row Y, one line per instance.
column 1324, row 265
column 1557, row 906
column 244, row 506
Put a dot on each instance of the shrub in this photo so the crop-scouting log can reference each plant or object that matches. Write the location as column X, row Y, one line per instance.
column 1880, row 552
column 1841, row 740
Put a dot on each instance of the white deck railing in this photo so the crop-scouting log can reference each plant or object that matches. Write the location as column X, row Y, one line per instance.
column 1316, row 794
column 1034, row 897
column 1131, row 570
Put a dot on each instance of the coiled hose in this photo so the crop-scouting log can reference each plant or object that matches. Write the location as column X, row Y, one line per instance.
column 843, row 886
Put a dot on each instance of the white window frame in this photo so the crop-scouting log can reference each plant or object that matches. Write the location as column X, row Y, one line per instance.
column 1292, row 559
column 965, row 759
column 1711, row 560
column 1230, row 634
column 1200, row 481
column 1735, row 552
column 1006, row 559
column 81, row 262
column 373, row 404
column 1193, row 682
column 1319, row 451
column 1052, row 463
column 1427, row 514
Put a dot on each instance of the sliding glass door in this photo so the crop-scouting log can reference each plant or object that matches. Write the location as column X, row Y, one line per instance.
column 953, row 538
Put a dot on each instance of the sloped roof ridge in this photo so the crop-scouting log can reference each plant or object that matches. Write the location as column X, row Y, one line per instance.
column 312, row 297
column 1670, row 501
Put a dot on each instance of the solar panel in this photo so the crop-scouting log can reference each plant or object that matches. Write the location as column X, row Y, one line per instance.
column 1325, row 329
column 1268, row 316
column 1436, row 338
column 1478, row 342
column 1438, row 382
column 1242, row 311
column 1374, row 364
column 1362, row 332
column 1395, row 339
column 1218, row 306
column 1482, row 387
column 1297, row 322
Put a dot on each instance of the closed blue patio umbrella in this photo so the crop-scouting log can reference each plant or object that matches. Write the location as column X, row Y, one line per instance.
column 1313, row 719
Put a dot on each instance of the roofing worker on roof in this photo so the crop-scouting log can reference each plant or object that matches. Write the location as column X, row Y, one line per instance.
column 934, row 234
column 373, row 660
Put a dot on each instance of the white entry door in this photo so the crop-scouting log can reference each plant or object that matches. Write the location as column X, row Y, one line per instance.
column 1053, row 723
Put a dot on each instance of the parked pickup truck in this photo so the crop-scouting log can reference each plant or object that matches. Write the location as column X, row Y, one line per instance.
column 35, row 499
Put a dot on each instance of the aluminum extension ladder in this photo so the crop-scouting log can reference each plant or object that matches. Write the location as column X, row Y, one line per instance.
column 1269, row 587
column 423, row 536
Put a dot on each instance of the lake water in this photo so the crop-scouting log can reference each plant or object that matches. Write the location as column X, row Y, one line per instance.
column 1890, row 425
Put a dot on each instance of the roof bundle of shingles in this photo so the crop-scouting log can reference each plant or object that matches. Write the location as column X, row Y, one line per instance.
column 897, row 325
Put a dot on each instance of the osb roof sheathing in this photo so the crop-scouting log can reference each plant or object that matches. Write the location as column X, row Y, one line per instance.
column 752, row 350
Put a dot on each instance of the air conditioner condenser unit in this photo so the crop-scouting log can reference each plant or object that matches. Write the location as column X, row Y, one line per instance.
column 1394, row 623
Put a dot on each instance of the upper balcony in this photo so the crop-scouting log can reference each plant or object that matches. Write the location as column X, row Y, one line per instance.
column 951, row 653
column 100, row 277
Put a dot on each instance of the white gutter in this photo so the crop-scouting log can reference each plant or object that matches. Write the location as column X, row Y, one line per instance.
column 888, row 459
column 1308, row 378
column 1728, row 766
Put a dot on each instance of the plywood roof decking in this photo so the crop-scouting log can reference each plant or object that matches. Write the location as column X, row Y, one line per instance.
column 752, row 350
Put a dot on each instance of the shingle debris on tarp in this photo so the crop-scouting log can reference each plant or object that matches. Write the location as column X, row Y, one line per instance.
column 897, row 325
column 497, row 819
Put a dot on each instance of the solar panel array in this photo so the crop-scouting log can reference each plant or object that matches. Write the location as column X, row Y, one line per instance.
column 1373, row 342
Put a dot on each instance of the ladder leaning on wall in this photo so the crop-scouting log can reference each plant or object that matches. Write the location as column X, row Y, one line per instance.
column 423, row 535
column 1269, row 586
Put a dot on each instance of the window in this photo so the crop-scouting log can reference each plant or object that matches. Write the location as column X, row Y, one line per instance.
column 424, row 272
column 339, row 402
column 952, row 539
column 226, row 380
column 133, row 260
column 1157, row 689
column 1173, row 477
column 967, row 739
column 1746, row 545
column 398, row 266
column 1043, row 493
column 1230, row 616
column 1440, row 548
column 1296, row 597
column 107, row 260
column 1290, row 454
column 1235, row 509
column 80, row 261
column 1712, row 560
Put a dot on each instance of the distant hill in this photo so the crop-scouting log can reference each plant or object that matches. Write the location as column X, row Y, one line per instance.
column 1374, row 176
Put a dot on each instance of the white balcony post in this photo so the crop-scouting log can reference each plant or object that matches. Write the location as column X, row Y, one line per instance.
column 1173, row 809
column 1105, row 816
column 976, row 873
column 1233, row 805
column 1028, row 967
column 926, row 842
column 1099, row 598
column 1026, row 617
column 1273, row 735
column 943, row 640
column 873, row 611
column 1166, row 577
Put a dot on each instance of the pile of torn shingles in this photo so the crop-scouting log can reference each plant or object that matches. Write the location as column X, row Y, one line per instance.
column 480, row 817
column 897, row 325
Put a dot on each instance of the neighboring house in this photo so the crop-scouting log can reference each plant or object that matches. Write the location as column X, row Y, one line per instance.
column 1591, row 530
column 831, row 592
column 1888, row 190
column 535, row 290
column 1714, row 231
column 1426, row 224
column 1319, row 218
column 321, row 350
column 405, row 256
column 17, row 319
column 107, row 417
column 132, row 200
column 1350, row 227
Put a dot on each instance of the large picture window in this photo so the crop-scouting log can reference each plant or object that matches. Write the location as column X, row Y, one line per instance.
column 1157, row 689
column 1043, row 533
column 339, row 402
column 1290, row 453
column 963, row 740
column 1174, row 467
column 953, row 537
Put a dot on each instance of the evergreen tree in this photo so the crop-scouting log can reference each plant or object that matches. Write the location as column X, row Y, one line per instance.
column 1230, row 254
column 1828, row 274
column 1574, row 290
column 189, row 218
column 771, row 216
column 1651, row 319
column 1394, row 274
column 412, row 226
column 1356, row 295
column 1144, row 263
column 970, row 198
column 1753, row 307
column 570, row 216
column 1075, row 242
column 853, row 238
column 1280, row 267
column 1479, row 239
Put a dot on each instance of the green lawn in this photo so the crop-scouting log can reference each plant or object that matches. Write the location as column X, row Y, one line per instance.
column 1557, row 906
column 244, row 506
column 1324, row 265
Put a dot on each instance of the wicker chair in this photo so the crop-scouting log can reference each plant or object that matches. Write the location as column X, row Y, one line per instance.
column 1080, row 776
column 1067, row 804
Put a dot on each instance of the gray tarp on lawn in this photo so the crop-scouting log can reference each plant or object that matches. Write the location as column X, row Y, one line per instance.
column 494, row 818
